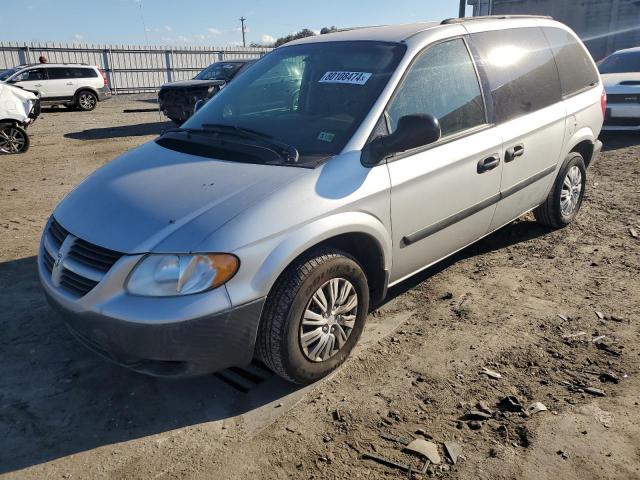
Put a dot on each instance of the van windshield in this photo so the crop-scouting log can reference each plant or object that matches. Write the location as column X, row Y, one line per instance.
column 311, row 96
column 621, row 63
column 219, row 71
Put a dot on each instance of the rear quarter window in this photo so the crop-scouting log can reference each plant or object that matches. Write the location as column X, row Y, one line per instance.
column 574, row 62
column 58, row 73
column 520, row 70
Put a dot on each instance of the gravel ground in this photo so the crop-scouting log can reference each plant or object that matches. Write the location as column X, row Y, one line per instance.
column 526, row 302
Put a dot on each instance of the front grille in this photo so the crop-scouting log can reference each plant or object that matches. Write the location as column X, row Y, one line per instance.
column 83, row 265
column 94, row 256
column 48, row 261
column 623, row 98
column 76, row 283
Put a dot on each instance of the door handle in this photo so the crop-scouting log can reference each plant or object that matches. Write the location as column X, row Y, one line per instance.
column 513, row 152
column 489, row 163
column 69, row 83
column 38, row 85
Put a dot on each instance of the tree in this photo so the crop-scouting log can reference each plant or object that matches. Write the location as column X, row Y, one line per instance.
column 295, row 36
column 326, row 30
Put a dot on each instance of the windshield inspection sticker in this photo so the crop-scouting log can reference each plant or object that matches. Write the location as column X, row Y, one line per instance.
column 352, row 78
column 326, row 136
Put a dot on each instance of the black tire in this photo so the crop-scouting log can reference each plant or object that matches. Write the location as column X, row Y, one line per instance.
column 278, row 344
column 550, row 212
column 86, row 100
column 13, row 139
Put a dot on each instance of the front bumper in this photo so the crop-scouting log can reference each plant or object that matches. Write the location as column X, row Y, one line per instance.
column 179, row 349
column 161, row 336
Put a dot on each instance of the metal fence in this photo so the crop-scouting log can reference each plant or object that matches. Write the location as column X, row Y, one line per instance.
column 129, row 69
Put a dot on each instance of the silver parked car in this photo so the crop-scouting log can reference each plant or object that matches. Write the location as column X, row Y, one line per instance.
column 276, row 217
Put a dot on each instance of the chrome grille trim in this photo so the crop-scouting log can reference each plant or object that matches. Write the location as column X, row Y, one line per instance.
column 75, row 265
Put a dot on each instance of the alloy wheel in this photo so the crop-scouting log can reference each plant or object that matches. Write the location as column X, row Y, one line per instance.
column 87, row 101
column 12, row 140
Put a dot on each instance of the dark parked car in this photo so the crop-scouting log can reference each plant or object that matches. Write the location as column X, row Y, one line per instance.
column 178, row 99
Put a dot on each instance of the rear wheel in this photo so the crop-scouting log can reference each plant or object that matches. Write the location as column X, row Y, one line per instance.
column 86, row 101
column 13, row 139
column 563, row 203
column 314, row 316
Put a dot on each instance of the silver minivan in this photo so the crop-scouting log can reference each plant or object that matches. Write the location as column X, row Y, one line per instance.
column 276, row 218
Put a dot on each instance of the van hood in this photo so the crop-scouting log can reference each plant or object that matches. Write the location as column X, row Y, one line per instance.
column 152, row 199
column 613, row 79
column 192, row 83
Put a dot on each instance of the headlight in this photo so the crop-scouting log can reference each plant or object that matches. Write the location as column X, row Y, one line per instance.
column 171, row 275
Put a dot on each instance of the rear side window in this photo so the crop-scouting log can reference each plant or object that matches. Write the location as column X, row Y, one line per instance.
column 520, row 69
column 57, row 73
column 82, row 73
column 442, row 82
column 574, row 62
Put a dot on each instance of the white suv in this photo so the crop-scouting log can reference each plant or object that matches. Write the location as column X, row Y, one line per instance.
column 73, row 85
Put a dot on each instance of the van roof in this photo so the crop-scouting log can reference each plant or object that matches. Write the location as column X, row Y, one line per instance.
column 399, row 33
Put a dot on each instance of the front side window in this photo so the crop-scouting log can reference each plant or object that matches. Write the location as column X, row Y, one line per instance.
column 310, row 96
column 621, row 63
column 520, row 68
column 441, row 82
column 32, row 75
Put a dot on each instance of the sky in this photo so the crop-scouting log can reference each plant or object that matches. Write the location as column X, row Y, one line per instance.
column 200, row 22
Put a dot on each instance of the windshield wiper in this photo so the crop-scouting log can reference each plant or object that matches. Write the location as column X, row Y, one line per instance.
column 289, row 152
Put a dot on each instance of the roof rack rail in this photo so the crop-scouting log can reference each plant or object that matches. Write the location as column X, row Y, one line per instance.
column 450, row 21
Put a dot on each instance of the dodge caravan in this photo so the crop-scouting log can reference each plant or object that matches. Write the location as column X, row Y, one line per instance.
column 272, row 221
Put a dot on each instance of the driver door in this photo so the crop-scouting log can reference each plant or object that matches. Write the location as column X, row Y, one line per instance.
column 34, row 80
column 443, row 195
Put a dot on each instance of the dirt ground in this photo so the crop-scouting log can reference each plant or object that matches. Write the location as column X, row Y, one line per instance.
column 555, row 313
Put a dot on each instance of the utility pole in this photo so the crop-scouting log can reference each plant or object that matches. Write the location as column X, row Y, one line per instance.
column 242, row 19
column 462, row 8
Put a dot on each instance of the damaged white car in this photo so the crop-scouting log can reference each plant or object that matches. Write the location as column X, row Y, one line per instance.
column 18, row 109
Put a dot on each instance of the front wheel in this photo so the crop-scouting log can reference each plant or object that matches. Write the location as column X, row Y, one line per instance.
column 563, row 203
column 86, row 101
column 13, row 139
column 313, row 316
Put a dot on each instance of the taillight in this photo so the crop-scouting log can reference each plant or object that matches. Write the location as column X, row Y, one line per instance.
column 603, row 102
column 104, row 77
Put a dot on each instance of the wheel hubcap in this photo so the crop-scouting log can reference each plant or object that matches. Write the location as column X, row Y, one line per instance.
column 328, row 320
column 11, row 140
column 571, row 191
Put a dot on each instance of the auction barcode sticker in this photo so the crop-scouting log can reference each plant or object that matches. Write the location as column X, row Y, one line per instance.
column 353, row 78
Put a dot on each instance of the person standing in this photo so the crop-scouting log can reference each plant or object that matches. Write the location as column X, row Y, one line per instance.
column 43, row 59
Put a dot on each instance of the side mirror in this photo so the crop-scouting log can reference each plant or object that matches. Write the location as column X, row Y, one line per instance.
column 413, row 131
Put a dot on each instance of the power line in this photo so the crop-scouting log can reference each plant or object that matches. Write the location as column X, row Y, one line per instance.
column 144, row 24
